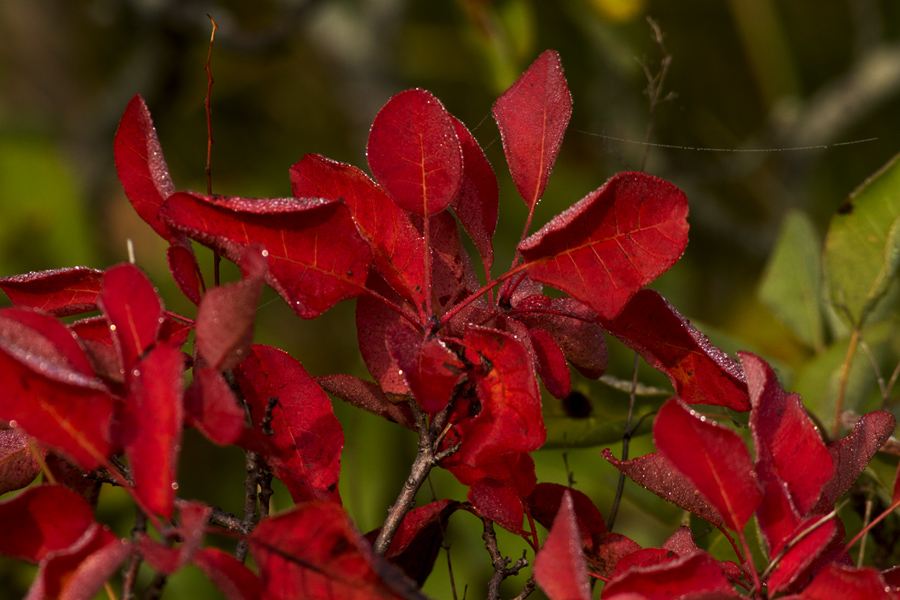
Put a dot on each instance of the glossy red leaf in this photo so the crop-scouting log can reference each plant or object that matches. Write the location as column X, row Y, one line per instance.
column 559, row 566
column 211, row 407
column 414, row 152
column 79, row 572
column 798, row 563
column 233, row 578
column 612, row 242
column 186, row 272
column 226, row 315
column 551, row 363
column 715, row 459
column 430, row 368
column 398, row 247
column 152, row 434
column 782, row 431
column 532, row 116
column 313, row 551
column 18, row 464
column 60, row 292
column 477, row 200
column 134, row 310
column 49, row 390
column 41, row 520
column 545, row 501
column 316, row 256
column 841, row 582
column 696, row 573
column 369, row 397
column 851, row 455
column 305, row 430
column 142, row 167
column 656, row 473
column 700, row 372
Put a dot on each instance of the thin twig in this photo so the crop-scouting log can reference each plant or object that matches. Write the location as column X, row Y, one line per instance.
column 626, row 440
column 654, row 86
column 845, row 377
column 502, row 570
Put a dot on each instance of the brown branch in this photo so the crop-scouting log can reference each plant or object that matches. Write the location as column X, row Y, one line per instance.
column 500, row 563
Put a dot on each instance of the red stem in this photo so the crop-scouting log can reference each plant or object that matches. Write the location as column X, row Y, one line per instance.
column 489, row 286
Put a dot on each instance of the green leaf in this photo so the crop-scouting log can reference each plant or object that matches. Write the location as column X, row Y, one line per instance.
column 862, row 247
column 792, row 283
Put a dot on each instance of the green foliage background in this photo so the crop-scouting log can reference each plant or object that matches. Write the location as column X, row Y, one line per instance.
column 779, row 109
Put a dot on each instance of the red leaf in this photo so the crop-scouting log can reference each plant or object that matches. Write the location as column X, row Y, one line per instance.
column 559, row 566
column 312, row 551
column 453, row 276
column 545, row 501
column 677, row 578
column 41, row 520
column 154, row 415
column 612, row 242
column 18, row 464
column 369, row 397
column 608, row 550
column 233, row 578
column 304, row 427
column 532, row 116
column 48, row 389
column 60, row 292
column 839, row 582
column 657, row 474
column 191, row 528
column 797, row 564
column 211, row 407
column 226, row 315
column 414, row 153
column 316, row 257
column 851, row 455
column 80, row 571
column 430, row 368
column 551, row 363
column 700, row 372
column 142, row 168
column 715, row 459
column 645, row 557
column 476, row 202
column 498, row 502
column 399, row 249
column 134, row 311
column 186, row 272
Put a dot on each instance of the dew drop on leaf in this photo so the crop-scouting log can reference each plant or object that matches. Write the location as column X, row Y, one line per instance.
column 13, row 424
column 265, row 253
column 174, row 485
column 112, row 327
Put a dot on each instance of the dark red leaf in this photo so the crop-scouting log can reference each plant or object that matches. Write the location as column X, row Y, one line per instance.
column 49, row 390
column 851, row 455
column 60, row 292
column 551, row 364
column 777, row 515
column 211, row 407
column 839, row 582
column 73, row 478
column 532, row 116
column 186, row 272
column 692, row 574
column 715, row 459
column 152, row 436
column 656, row 473
column 700, row 372
column 398, row 247
column 559, row 565
column 312, row 551
column 430, row 368
column 414, row 153
column 369, row 397
column 476, row 202
column 134, row 311
column 233, row 578
column 226, row 315
column 581, row 339
column 608, row 550
column 645, row 557
column 544, row 502
column 18, row 464
column 797, row 564
column 304, row 427
column 316, row 256
column 41, row 520
column 191, row 528
column 681, row 542
column 142, row 167
column 453, row 276
column 612, row 242
column 498, row 502
column 80, row 571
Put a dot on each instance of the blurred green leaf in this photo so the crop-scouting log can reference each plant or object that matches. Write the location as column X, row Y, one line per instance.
column 862, row 247
column 792, row 283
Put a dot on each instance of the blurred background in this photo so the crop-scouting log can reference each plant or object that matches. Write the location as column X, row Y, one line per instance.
column 768, row 106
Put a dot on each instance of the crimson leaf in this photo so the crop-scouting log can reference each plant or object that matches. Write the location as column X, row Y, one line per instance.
column 60, row 292
column 559, row 566
column 134, row 311
column 18, row 464
column 41, row 520
column 695, row 573
column 841, row 582
column 232, row 577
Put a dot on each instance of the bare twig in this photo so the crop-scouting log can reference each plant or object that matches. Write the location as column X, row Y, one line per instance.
column 655, row 86
column 502, row 570
column 626, row 440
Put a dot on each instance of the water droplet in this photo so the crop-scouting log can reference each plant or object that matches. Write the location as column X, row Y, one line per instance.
column 265, row 253
column 136, row 373
column 13, row 424
column 161, row 320
column 112, row 327
column 239, row 352
column 174, row 485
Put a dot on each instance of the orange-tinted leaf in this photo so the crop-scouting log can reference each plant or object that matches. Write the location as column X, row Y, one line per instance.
column 60, row 292
column 559, row 566
column 41, row 520
column 316, row 256
column 532, row 116
column 134, row 311
column 715, row 459
column 414, row 153
column 611, row 243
